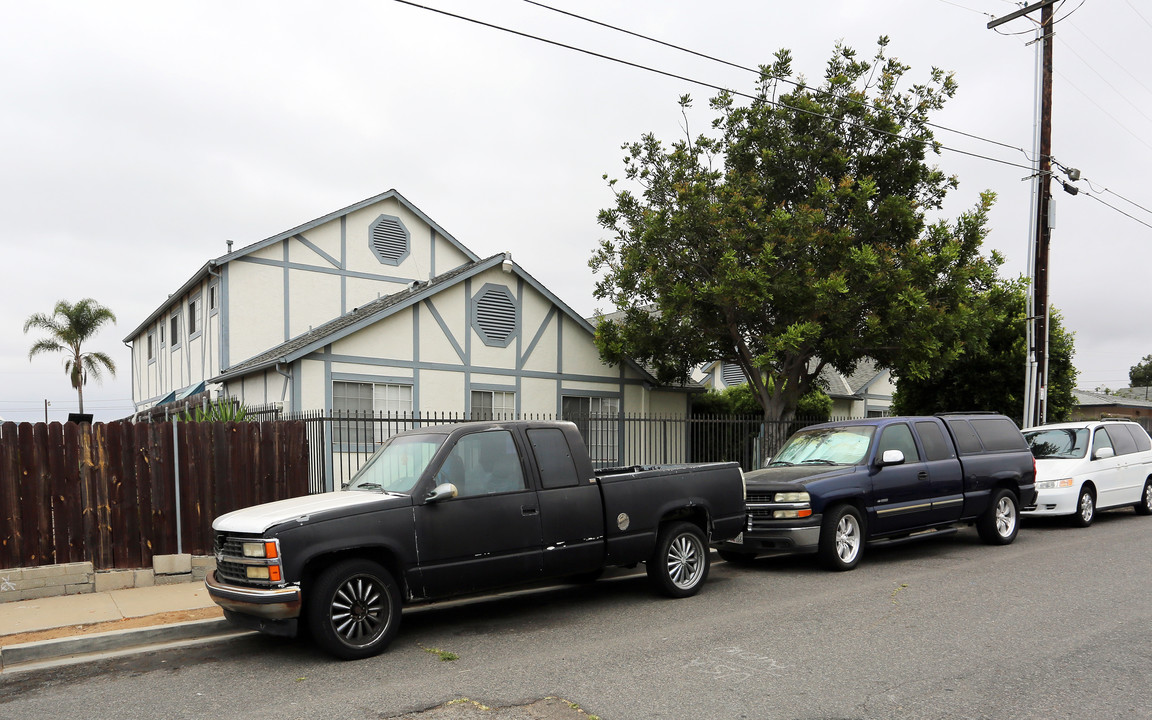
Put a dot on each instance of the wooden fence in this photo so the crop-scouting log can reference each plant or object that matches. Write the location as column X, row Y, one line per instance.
column 107, row 493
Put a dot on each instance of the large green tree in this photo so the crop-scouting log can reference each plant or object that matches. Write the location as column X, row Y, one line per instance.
column 1140, row 374
column 990, row 373
column 69, row 327
column 796, row 235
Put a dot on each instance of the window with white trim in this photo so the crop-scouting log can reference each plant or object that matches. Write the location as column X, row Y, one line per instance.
column 213, row 301
column 151, row 347
column 493, row 405
column 366, row 406
column 174, row 330
column 193, row 317
column 598, row 419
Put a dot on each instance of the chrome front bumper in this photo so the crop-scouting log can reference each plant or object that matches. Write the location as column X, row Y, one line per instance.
column 265, row 603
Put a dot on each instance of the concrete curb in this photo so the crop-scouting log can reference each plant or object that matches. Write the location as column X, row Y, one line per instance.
column 76, row 649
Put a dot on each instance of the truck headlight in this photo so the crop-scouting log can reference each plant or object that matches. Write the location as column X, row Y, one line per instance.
column 263, row 572
column 1053, row 484
column 791, row 497
column 266, row 549
column 791, row 514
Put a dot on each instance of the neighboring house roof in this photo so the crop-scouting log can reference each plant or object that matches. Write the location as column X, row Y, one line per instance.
column 385, row 306
column 835, row 384
column 1134, row 393
column 1087, row 399
column 207, row 268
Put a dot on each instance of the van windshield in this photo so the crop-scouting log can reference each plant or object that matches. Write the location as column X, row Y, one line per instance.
column 847, row 445
column 1066, row 443
column 398, row 465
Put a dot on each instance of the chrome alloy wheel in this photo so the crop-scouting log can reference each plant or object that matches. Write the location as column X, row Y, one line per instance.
column 1087, row 508
column 685, row 561
column 847, row 538
column 360, row 610
column 1005, row 516
column 1147, row 498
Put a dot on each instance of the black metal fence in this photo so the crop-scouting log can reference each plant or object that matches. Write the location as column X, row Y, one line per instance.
column 339, row 443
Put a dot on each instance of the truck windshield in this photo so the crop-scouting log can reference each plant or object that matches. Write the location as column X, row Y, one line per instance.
column 1058, row 443
column 826, row 446
column 398, row 465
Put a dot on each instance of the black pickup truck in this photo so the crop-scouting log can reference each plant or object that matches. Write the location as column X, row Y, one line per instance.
column 458, row 509
column 836, row 486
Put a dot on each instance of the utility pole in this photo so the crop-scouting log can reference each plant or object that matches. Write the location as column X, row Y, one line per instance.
column 1036, row 372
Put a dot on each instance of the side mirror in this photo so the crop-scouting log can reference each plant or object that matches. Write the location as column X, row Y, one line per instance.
column 1104, row 453
column 443, row 491
column 891, row 457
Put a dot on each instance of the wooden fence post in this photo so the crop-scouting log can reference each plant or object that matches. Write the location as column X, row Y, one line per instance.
column 11, row 523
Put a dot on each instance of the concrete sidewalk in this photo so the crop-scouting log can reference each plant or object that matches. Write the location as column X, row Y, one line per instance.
column 68, row 628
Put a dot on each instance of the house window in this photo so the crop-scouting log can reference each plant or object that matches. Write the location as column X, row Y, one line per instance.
column 493, row 405
column 364, row 409
column 494, row 315
column 213, row 290
column 193, row 317
column 389, row 239
column 161, row 334
column 597, row 419
column 151, row 347
column 174, row 330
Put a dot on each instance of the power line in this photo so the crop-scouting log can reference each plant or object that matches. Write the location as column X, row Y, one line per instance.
column 1104, row 79
column 1133, row 217
column 936, row 145
column 757, row 71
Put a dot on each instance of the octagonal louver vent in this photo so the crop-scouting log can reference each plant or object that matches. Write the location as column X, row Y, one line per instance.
column 389, row 239
column 495, row 315
column 731, row 374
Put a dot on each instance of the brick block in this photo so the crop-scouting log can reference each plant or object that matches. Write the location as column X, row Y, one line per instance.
column 173, row 579
column 204, row 561
column 78, row 589
column 144, row 578
column 172, row 564
column 114, row 580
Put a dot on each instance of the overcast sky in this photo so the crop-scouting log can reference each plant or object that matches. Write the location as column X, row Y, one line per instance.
column 136, row 138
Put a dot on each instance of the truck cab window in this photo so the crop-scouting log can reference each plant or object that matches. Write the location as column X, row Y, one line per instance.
column 898, row 437
column 487, row 462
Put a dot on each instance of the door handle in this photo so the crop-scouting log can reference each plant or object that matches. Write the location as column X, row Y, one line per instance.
column 529, row 511
column 922, row 476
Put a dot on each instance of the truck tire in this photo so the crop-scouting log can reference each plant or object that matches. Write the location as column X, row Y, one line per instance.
column 353, row 609
column 1144, row 507
column 679, row 565
column 1001, row 521
column 841, row 538
column 1085, row 508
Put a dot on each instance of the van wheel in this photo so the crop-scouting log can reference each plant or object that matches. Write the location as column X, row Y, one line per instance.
column 1144, row 507
column 353, row 609
column 1001, row 521
column 1085, row 509
column 679, row 566
column 841, row 538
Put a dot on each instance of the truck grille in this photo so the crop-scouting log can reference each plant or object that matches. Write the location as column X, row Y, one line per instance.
column 230, row 561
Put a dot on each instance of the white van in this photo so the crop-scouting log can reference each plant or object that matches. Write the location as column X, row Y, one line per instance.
column 1082, row 467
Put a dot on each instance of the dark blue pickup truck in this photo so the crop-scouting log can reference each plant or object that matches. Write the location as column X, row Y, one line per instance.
column 834, row 487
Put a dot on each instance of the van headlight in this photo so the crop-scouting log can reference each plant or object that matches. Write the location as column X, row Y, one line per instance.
column 1053, row 484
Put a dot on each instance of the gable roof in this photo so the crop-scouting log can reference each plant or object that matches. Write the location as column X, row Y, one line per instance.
column 199, row 275
column 385, row 306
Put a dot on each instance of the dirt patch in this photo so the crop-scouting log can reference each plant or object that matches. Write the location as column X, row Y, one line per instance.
column 167, row 618
column 549, row 708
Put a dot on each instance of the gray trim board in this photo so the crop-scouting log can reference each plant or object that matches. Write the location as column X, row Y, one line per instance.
column 287, row 274
column 326, row 270
column 444, row 328
column 314, row 248
column 377, row 379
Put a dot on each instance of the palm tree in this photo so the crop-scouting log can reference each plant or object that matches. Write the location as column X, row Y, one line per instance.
column 69, row 326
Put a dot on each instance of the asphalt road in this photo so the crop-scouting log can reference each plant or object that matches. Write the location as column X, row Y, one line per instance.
column 1055, row 625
